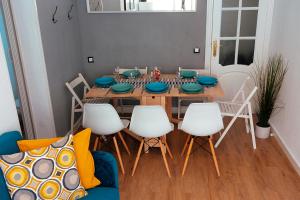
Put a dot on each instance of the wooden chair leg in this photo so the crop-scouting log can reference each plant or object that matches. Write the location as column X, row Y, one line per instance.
column 119, row 154
column 96, row 143
column 124, row 143
column 214, row 155
column 187, row 156
column 179, row 109
column 137, row 157
column 168, row 150
column 185, row 145
column 164, row 157
column 99, row 144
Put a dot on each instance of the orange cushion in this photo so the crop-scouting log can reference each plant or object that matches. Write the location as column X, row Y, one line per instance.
column 84, row 158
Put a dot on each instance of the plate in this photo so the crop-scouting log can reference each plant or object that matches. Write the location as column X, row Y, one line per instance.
column 207, row 80
column 123, row 92
column 105, row 85
column 131, row 73
column 191, row 87
column 186, row 92
column 157, row 92
column 105, row 81
column 188, row 74
column 122, row 87
column 156, row 86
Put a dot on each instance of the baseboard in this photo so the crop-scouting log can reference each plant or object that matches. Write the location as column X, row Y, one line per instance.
column 285, row 149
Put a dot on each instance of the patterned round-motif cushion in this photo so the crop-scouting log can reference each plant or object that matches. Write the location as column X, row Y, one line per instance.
column 44, row 173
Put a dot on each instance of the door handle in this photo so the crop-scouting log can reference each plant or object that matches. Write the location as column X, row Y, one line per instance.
column 214, row 48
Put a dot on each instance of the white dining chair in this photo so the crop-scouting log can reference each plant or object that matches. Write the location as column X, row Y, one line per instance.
column 189, row 100
column 201, row 120
column 126, row 104
column 151, row 122
column 239, row 107
column 77, row 101
column 104, row 120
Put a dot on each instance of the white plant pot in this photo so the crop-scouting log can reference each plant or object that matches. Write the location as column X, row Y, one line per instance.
column 262, row 132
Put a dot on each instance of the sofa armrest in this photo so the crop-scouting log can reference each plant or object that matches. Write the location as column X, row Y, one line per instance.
column 106, row 169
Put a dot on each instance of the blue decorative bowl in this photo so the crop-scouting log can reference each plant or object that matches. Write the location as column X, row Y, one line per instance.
column 122, row 87
column 188, row 74
column 156, row 86
column 191, row 87
column 131, row 74
column 207, row 80
column 105, row 81
column 158, row 92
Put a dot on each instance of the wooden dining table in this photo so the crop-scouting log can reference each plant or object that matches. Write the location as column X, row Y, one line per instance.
column 163, row 99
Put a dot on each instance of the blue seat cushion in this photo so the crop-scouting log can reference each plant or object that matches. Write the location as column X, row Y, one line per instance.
column 106, row 169
column 102, row 193
column 8, row 144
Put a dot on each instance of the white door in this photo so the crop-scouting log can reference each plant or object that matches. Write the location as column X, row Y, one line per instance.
column 238, row 37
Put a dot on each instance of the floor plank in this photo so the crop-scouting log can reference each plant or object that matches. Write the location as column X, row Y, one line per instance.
column 264, row 173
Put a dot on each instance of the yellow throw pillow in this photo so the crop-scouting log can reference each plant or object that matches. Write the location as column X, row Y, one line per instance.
column 44, row 173
column 85, row 160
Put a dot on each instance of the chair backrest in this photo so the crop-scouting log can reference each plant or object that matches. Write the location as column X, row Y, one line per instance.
column 202, row 119
column 200, row 71
column 103, row 119
column 150, row 121
column 234, row 91
column 76, row 82
column 141, row 70
column 241, row 92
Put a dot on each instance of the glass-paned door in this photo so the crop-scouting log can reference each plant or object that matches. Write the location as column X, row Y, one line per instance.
column 237, row 37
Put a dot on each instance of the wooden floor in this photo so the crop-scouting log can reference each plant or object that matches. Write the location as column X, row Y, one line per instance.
column 245, row 174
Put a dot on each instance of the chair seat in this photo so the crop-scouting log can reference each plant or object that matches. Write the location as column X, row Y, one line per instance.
column 230, row 109
column 125, row 122
column 150, row 121
column 202, row 119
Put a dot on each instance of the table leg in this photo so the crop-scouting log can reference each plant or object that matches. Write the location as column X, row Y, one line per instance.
column 168, row 107
column 115, row 102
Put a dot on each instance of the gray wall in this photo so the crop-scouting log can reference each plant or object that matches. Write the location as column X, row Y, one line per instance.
column 138, row 39
column 62, row 49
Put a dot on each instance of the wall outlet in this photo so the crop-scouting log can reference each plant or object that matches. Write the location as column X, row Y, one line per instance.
column 90, row 59
column 196, row 50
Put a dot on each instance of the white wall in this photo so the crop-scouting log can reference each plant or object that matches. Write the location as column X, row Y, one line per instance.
column 285, row 39
column 34, row 67
column 8, row 112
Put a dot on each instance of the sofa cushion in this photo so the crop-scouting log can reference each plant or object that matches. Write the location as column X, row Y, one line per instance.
column 106, row 169
column 44, row 173
column 8, row 144
column 102, row 193
column 84, row 158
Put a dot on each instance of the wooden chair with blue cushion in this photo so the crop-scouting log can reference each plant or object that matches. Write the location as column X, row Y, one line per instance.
column 106, row 170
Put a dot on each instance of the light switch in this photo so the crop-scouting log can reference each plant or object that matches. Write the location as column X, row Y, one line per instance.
column 196, row 50
column 90, row 59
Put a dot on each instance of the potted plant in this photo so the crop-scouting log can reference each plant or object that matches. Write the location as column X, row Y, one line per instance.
column 269, row 80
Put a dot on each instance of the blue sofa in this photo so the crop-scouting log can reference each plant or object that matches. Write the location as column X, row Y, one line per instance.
column 105, row 169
